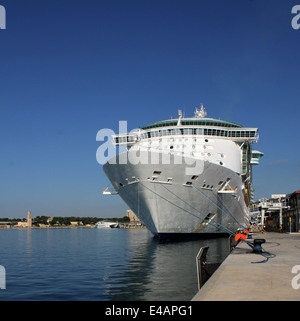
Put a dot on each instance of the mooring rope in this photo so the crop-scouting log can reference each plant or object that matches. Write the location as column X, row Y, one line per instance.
column 256, row 249
column 227, row 212
column 216, row 225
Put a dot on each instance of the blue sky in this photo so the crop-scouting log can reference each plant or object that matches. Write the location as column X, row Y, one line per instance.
column 70, row 68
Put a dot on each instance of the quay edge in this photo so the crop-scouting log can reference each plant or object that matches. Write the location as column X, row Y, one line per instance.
column 243, row 276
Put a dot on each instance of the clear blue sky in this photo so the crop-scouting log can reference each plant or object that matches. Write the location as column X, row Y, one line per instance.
column 70, row 68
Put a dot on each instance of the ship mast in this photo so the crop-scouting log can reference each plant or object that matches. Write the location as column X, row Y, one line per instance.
column 179, row 117
column 200, row 113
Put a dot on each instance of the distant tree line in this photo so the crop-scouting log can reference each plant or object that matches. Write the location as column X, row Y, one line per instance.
column 60, row 220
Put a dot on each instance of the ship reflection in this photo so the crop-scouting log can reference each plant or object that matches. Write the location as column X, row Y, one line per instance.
column 162, row 271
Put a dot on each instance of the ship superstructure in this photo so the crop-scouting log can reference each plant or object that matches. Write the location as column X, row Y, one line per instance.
column 186, row 175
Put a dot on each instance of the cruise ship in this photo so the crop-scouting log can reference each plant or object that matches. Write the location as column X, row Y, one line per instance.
column 186, row 176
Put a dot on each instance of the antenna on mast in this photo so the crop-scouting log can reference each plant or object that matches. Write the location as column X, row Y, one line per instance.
column 200, row 113
column 179, row 117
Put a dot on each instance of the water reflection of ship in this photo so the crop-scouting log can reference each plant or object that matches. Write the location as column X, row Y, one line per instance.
column 163, row 271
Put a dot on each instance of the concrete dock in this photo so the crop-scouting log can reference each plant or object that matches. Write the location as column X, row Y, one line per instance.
column 241, row 277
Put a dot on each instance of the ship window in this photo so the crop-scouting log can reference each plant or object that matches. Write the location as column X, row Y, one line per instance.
column 206, row 140
column 169, row 179
column 221, row 163
column 194, row 177
column 121, row 185
column 157, row 173
column 209, row 217
column 171, row 147
column 188, row 183
column 221, row 182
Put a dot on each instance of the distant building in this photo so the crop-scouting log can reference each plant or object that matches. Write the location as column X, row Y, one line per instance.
column 132, row 217
column 50, row 219
column 291, row 217
column 28, row 222
column 76, row 223
column 22, row 224
column 43, row 225
column 280, row 212
column 4, row 225
column 268, row 212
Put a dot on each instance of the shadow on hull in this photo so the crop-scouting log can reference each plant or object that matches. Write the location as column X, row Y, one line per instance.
column 179, row 237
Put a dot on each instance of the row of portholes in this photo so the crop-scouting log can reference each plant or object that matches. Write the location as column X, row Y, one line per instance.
column 207, row 186
column 193, row 146
column 181, row 140
column 192, row 153
column 185, row 146
column 204, row 146
column 185, row 139
column 178, row 140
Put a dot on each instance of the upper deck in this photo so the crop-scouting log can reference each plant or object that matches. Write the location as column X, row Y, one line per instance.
column 198, row 125
column 192, row 121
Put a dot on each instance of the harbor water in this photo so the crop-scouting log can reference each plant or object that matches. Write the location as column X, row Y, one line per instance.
column 100, row 264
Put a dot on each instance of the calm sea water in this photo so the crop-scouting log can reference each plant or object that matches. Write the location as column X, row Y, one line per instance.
column 100, row 264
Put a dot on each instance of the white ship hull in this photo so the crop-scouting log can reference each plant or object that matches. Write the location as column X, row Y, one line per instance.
column 186, row 175
column 171, row 200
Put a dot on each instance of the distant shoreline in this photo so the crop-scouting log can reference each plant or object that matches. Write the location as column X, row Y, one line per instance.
column 121, row 225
